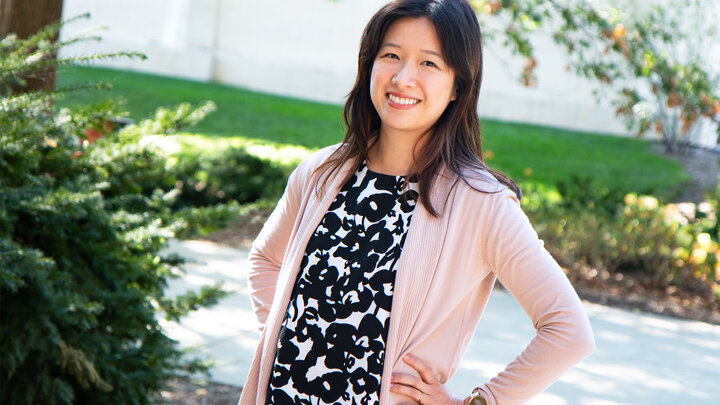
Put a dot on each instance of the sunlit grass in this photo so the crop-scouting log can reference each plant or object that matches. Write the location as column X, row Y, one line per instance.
column 186, row 144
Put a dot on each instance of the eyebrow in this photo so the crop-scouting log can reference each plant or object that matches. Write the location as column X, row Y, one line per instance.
column 392, row 45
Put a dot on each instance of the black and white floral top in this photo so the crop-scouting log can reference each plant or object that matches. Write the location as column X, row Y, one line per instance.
column 332, row 342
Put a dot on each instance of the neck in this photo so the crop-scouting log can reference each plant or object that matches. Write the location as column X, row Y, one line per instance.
column 393, row 154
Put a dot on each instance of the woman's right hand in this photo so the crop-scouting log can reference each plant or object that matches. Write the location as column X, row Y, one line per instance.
column 426, row 389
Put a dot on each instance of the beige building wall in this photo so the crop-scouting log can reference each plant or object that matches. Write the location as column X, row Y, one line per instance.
column 308, row 49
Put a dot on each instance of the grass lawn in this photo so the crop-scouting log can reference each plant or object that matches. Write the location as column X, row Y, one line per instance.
column 551, row 154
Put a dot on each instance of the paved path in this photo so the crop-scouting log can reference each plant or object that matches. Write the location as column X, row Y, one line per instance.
column 640, row 358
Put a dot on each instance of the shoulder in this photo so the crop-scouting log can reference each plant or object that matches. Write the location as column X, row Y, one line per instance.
column 480, row 186
column 305, row 170
column 484, row 203
column 318, row 157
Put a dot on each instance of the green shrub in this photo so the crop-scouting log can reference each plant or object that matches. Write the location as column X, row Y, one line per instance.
column 580, row 192
column 81, row 228
column 231, row 174
column 667, row 244
column 204, row 220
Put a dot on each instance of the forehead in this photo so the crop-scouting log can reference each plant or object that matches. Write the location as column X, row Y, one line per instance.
column 414, row 34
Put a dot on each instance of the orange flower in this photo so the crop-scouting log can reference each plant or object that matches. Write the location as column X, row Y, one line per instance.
column 487, row 7
column 51, row 142
column 494, row 6
column 619, row 31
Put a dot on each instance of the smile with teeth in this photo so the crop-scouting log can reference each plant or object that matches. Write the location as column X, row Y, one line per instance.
column 403, row 101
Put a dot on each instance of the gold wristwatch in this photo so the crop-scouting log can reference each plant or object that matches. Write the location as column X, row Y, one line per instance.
column 477, row 399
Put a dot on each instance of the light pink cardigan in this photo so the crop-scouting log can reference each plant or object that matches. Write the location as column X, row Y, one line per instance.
column 444, row 278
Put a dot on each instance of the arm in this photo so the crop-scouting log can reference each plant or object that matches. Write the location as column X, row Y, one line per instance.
column 268, row 249
column 536, row 281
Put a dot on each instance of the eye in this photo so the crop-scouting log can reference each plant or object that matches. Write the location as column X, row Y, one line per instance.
column 431, row 64
column 390, row 55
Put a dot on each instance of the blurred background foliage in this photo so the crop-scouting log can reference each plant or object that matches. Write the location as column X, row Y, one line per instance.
column 652, row 59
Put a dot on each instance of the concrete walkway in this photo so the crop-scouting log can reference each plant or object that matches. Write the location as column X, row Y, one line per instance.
column 640, row 358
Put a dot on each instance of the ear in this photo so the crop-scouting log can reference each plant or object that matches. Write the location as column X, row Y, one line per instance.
column 454, row 95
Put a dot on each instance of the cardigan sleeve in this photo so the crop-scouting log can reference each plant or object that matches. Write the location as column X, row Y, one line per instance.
column 268, row 249
column 563, row 334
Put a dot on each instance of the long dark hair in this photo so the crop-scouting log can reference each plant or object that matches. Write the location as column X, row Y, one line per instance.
column 454, row 141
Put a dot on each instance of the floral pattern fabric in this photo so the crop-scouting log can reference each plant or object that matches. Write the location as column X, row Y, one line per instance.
column 332, row 342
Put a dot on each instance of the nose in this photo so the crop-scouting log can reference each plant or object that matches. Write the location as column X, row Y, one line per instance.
column 405, row 76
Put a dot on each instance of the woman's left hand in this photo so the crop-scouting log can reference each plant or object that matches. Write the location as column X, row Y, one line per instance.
column 426, row 390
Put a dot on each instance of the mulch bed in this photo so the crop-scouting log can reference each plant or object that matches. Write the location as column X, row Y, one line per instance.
column 637, row 291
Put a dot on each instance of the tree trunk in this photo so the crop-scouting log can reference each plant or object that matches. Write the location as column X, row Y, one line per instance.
column 24, row 18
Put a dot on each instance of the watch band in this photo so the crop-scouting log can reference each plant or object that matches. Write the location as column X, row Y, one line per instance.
column 477, row 399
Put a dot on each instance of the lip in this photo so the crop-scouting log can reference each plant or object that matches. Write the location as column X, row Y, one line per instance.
column 401, row 106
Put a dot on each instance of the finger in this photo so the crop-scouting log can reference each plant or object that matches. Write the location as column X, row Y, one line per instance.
column 425, row 373
column 410, row 380
column 408, row 391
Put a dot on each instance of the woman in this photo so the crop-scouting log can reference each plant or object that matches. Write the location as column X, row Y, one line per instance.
column 375, row 267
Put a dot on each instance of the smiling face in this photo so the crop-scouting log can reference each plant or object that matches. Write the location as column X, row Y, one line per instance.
column 410, row 84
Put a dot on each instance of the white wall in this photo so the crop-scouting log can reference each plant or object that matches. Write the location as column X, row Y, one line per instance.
column 301, row 48
column 178, row 36
column 308, row 49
